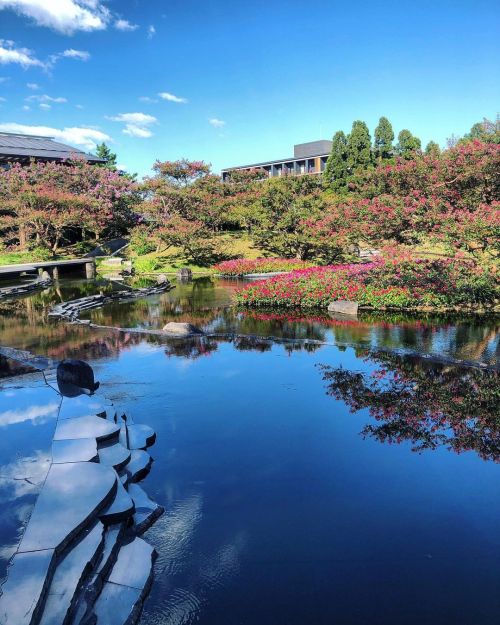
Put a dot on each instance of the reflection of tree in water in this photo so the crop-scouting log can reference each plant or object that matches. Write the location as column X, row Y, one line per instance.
column 429, row 404
column 190, row 348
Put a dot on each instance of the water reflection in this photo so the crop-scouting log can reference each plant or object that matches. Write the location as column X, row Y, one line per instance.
column 428, row 404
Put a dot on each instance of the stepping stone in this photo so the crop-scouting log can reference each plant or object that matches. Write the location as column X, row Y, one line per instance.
column 83, row 406
column 120, row 508
column 146, row 510
column 123, row 437
column 117, row 605
column 70, row 572
column 134, row 564
column 24, row 590
column 112, row 538
column 85, row 427
column 139, row 465
column 72, row 495
column 114, row 455
column 74, row 450
column 140, row 436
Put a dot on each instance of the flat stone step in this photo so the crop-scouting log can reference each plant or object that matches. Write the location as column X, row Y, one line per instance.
column 138, row 466
column 121, row 508
column 114, row 455
column 74, row 450
column 146, row 510
column 84, row 405
column 140, row 436
column 70, row 572
column 72, row 495
column 86, row 427
column 25, row 588
column 133, row 566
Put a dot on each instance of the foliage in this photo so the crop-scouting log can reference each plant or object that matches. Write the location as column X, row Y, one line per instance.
column 433, row 149
column 384, row 136
column 141, row 240
column 359, row 153
column 146, row 265
column 487, row 131
column 398, row 282
column 243, row 266
column 336, row 171
column 408, row 145
column 104, row 152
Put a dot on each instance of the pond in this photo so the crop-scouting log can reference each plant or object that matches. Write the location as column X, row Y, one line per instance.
column 344, row 478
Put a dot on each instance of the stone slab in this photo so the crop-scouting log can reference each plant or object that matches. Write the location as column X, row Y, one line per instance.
column 72, row 495
column 86, row 427
column 82, row 406
column 121, row 508
column 139, row 465
column 146, row 510
column 74, row 450
column 344, row 307
column 70, row 572
column 140, row 436
column 25, row 587
column 133, row 565
column 114, row 455
column 118, row 605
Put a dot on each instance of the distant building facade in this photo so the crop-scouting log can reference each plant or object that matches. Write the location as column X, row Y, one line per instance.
column 308, row 158
column 19, row 148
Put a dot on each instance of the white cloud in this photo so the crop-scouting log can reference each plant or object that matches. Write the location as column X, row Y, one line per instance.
column 87, row 138
column 123, row 25
column 79, row 106
column 22, row 56
column 65, row 16
column 151, row 31
column 136, row 124
column 32, row 85
column 80, row 55
column 147, row 99
column 46, row 99
column 170, row 97
column 26, row 108
column 216, row 123
column 140, row 119
column 44, row 106
column 137, row 131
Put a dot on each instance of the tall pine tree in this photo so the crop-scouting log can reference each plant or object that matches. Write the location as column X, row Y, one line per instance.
column 384, row 136
column 102, row 151
column 336, row 171
column 407, row 145
column 359, row 147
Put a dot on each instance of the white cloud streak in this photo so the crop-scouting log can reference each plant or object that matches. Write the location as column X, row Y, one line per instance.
column 170, row 97
column 64, row 16
column 86, row 138
column 46, row 99
column 124, row 25
column 20, row 56
column 33, row 86
column 151, row 31
column 216, row 123
column 136, row 124
column 80, row 55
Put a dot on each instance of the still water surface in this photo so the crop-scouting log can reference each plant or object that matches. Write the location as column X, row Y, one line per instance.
column 344, row 483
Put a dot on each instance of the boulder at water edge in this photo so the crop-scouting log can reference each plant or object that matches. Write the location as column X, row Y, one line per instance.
column 181, row 329
column 344, row 307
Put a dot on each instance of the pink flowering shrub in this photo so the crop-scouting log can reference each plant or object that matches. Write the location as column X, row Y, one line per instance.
column 388, row 283
column 243, row 266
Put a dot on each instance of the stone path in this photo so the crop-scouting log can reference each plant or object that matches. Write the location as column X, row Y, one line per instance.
column 80, row 560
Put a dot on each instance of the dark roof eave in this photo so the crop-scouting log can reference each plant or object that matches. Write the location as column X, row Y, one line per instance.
column 279, row 160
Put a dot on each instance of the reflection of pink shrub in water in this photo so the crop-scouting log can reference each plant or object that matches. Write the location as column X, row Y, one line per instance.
column 244, row 266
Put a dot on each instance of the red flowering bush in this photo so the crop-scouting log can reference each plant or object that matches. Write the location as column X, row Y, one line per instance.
column 389, row 283
column 243, row 266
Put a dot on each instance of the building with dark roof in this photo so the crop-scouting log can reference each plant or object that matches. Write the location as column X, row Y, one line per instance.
column 308, row 158
column 19, row 148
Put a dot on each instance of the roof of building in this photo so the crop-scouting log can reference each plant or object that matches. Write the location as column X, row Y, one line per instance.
column 302, row 152
column 291, row 159
column 14, row 147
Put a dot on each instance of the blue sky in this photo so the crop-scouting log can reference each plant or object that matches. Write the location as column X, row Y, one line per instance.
column 242, row 81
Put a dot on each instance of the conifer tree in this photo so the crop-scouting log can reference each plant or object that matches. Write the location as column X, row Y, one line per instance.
column 336, row 170
column 103, row 151
column 384, row 136
column 359, row 147
column 407, row 144
column 432, row 149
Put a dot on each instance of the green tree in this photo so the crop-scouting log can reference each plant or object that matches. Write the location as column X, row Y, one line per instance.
column 433, row 149
column 103, row 151
column 487, row 131
column 336, row 171
column 384, row 136
column 359, row 144
column 408, row 145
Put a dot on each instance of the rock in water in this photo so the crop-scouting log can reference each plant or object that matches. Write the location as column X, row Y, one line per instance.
column 344, row 307
column 161, row 279
column 181, row 329
column 75, row 377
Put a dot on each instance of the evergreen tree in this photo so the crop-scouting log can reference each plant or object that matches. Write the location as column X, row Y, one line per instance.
column 407, row 144
column 432, row 149
column 102, row 151
column 336, row 170
column 359, row 147
column 384, row 136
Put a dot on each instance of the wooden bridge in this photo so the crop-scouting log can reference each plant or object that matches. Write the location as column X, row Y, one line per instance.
column 81, row 266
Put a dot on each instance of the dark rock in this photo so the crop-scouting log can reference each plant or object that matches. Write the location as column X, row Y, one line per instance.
column 75, row 377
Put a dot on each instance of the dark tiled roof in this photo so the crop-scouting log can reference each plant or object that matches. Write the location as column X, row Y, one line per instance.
column 26, row 146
